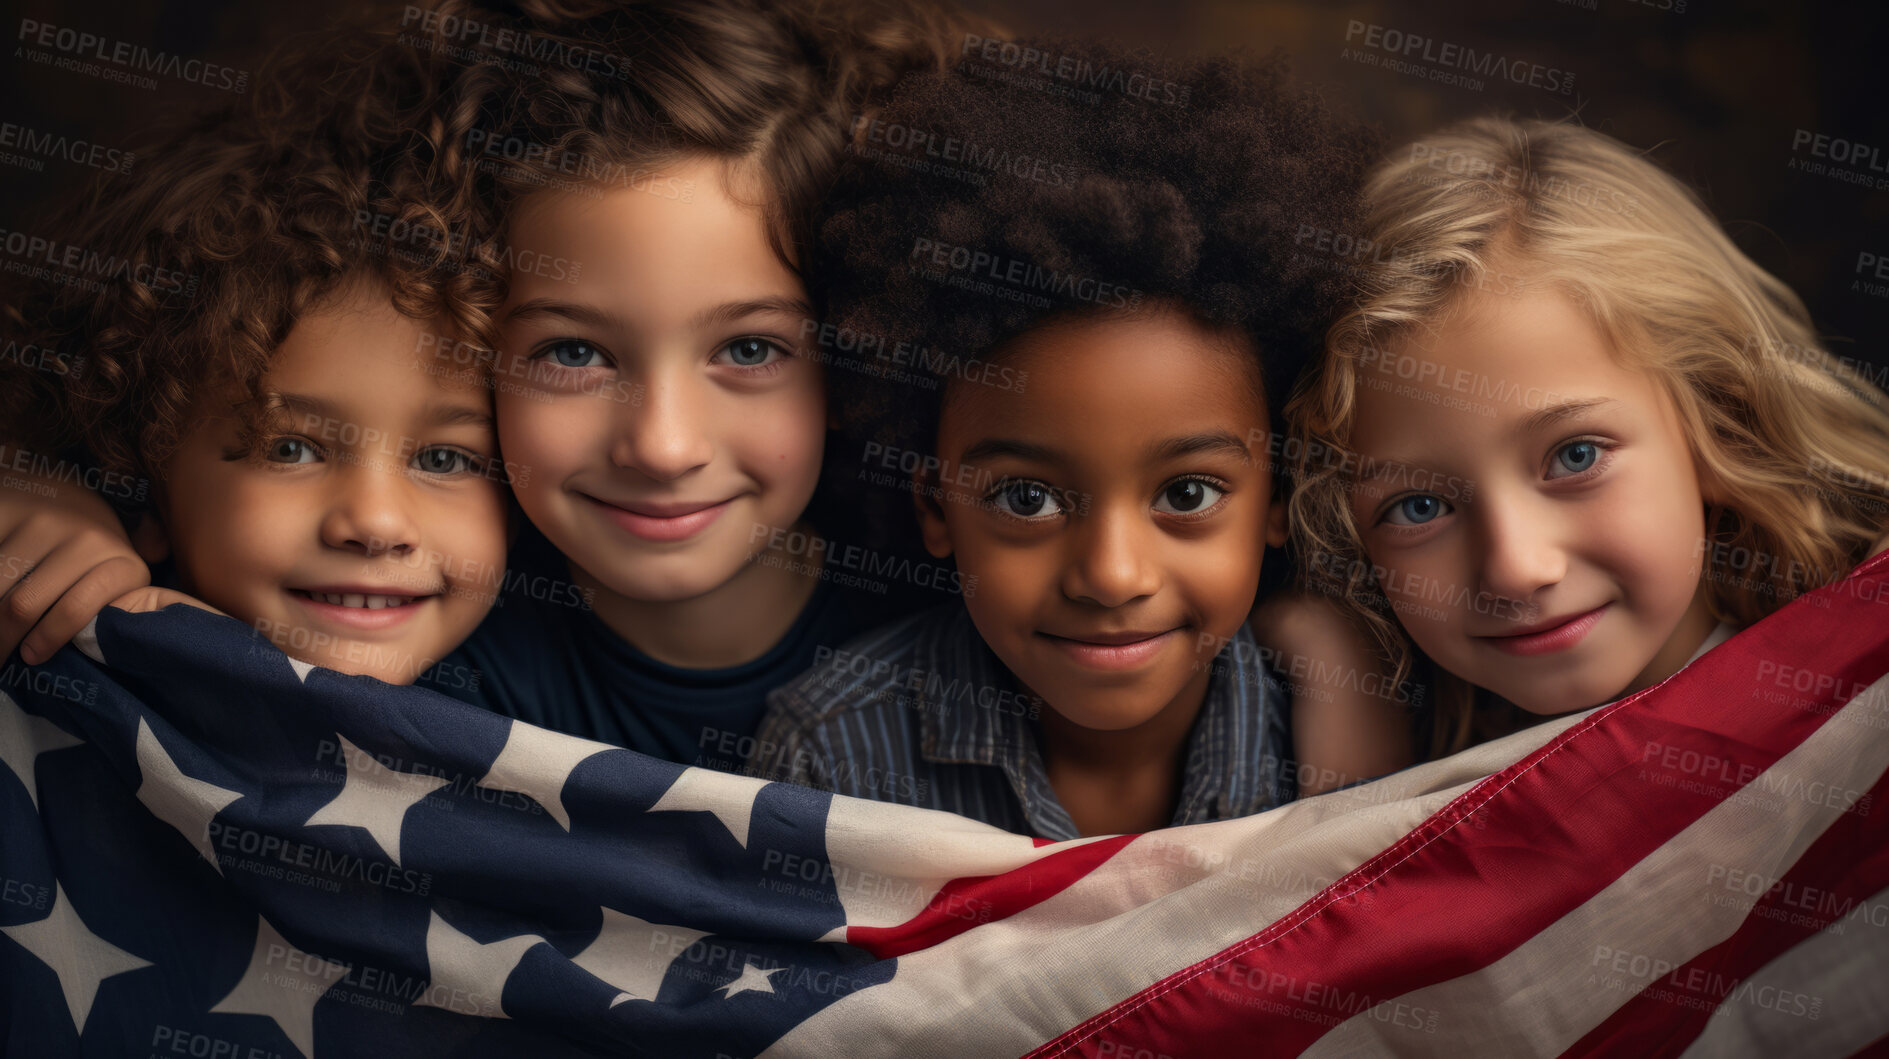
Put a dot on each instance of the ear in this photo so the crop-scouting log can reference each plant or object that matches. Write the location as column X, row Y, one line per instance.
column 931, row 520
column 150, row 539
column 1276, row 524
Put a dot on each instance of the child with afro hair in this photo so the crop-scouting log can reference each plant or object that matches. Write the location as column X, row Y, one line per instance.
column 1064, row 292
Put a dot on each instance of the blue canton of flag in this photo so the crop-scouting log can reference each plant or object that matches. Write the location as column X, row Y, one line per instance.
column 233, row 876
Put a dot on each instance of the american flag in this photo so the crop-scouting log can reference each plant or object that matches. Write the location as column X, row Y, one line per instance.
column 211, row 850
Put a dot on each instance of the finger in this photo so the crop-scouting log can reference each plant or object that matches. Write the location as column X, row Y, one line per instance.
column 21, row 555
column 81, row 603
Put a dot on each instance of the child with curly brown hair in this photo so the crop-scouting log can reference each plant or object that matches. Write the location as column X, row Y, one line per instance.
column 258, row 356
column 1074, row 316
column 637, row 204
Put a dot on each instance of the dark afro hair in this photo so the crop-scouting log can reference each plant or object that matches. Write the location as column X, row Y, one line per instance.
column 1096, row 181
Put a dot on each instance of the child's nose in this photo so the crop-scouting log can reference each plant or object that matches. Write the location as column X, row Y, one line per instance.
column 667, row 435
column 1522, row 548
column 1111, row 562
column 370, row 513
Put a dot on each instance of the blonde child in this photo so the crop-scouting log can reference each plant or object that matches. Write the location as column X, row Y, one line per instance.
column 1570, row 437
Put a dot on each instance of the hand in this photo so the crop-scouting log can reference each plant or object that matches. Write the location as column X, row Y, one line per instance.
column 150, row 598
column 61, row 561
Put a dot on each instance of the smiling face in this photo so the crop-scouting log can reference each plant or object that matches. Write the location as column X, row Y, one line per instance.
column 657, row 404
column 364, row 529
column 1119, row 515
column 1545, row 544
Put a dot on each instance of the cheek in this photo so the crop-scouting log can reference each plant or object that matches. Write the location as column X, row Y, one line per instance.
column 1220, row 574
column 1011, row 576
column 547, row 438
column 473, row 530
column 1426, row 591
column 781, row 437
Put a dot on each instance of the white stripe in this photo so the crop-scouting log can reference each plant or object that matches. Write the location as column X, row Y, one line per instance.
column 1827, row 995
column 1169, row 900
column 1551, row 990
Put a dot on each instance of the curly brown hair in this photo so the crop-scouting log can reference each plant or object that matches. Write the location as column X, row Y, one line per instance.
column 188, row 273
column 1179, row 183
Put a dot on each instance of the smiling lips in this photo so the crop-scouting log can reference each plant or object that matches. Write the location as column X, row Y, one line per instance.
column 1549, row 637
column 1113, row 651
column 360, row 606
column 664, row 522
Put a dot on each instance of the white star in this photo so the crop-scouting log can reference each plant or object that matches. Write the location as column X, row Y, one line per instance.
column 634, row 954
column 282, row 983
column 302, row 669
column 699, row 790
column 23, row 737
column 537, row 762
column 375, row 798
column 753, row 980
column 185, row 803
column 466, row 976
column 80, row 958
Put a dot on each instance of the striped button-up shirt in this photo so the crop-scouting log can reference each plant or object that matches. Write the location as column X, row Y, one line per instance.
column 921, row 712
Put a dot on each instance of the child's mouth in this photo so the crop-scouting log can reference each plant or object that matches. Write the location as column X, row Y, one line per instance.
column 360, row 609
column 665, row 521
column 1113, row 650
column 1557, row 637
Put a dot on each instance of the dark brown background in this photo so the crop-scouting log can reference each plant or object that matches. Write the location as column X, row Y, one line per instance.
column 1720, row 89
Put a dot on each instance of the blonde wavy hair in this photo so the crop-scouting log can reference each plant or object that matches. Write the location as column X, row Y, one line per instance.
column 1792, row 440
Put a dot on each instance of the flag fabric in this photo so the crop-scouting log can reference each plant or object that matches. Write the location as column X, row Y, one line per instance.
column 208, row 849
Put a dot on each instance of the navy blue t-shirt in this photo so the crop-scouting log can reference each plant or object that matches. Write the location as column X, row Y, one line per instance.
column 543, row 656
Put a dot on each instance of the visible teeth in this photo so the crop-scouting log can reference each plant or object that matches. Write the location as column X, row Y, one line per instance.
column 361, row 600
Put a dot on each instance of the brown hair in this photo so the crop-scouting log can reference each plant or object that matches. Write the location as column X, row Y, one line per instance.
column 629, row 87
column 194, row 268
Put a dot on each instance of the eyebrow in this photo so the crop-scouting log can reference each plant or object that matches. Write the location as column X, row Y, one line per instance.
column 1209, row 441
column 537, row 308
column 453, row 415
column 993, row 448
column 727, row 312
column 1546, row 417
column 442, row 414
column 1216, row 441
column 1556, row 413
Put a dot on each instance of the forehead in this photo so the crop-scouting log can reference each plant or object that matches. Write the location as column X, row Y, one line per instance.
column 1492, row 363
column 359, row 350
column 1112, row 380
column 667, row 242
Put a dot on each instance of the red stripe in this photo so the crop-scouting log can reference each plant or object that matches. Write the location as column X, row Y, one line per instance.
column 964, row 903
column 1876, row 1049
column 1558, row 826
column 1674, row 1008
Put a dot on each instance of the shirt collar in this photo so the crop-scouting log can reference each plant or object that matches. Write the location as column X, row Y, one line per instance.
column 972, row 713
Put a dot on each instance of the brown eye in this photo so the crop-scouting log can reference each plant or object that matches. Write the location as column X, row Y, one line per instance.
column 1188, row 495
column 1025, row 499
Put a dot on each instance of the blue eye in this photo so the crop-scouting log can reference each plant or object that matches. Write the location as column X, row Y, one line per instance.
column 572, row 354
column 289, row 450
column 441, row 460
column 1415, row 510
column 751, row 352
column 1575, row 457
column 1025, row 499
column 1188, row 495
